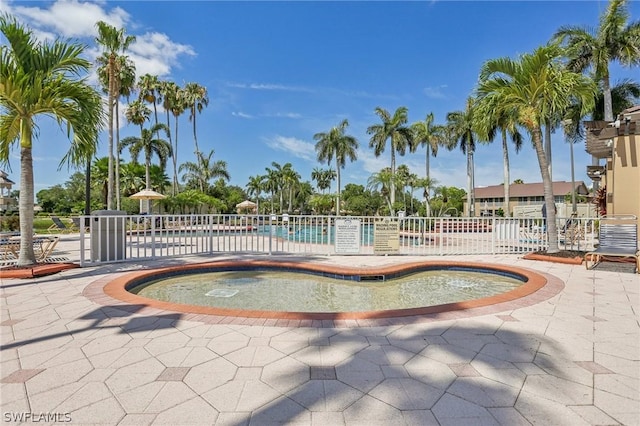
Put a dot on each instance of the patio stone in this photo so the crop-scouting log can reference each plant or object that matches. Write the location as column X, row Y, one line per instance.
column 325, row 395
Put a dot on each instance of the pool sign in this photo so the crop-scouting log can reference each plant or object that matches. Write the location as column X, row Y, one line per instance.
column 386, row 237
column 347, row 236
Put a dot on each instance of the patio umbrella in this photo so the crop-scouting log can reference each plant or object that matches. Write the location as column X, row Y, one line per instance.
column 146, row 194
column 246, row 205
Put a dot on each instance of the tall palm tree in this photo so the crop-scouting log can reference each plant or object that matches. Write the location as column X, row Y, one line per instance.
column 204, row 169
column 490, row 121
column 429, row 135
column 114, row 43
column 291, row 180
column 272, row 182
column 394, row 129
column 125, row 76
column 531, row 88
column 137, row 113
column 427, row 185
column 149, row 87
column 624, row 94
column 177, row 107
column 462, row 132
column 383, row 181
column 335, row 143
column 196, row 98
column 255, row 187
column 149, row 145
column 614, row 40
column 168, row 92
column 41, row 78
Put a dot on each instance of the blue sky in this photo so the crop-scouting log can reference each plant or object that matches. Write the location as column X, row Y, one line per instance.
column 279, row 72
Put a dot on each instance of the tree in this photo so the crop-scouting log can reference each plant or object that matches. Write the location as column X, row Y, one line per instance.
column 149, row 145
column 491, row 120
column 532, row 88
column 36, row 79
column 461, row 129
column 323, row 178
column 614, row 40
column 169, row 92
column 291, row 180
column 383, row 181
column 177, row 106
column 624, row 94
column 255, row 187
column 400, row 136
column 335, row 143
column 204, row 170
column 114, row 41
column 196, row 98
column 430, row 136
column 149, row 87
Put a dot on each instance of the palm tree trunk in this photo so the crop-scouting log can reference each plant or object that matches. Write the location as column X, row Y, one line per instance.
column 547, row 147
column 392, row 196
column 110, row 119
column 552, row 230
column 505, row 159
column 175, row 161
column 147, row 176
column 195, row 137
column 471, row 208
column 117, row 165
column 338, row 182
column 608, row 103
column 26, row 256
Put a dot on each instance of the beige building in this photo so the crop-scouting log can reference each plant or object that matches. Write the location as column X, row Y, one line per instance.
column 525, row 199
column 619, row 144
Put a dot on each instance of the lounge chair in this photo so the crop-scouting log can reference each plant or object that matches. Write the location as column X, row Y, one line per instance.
column 59, row 225
column 42, row 246
column 618, row 238
column 77, row 226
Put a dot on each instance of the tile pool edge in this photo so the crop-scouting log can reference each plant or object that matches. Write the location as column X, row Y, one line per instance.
column 113, row 292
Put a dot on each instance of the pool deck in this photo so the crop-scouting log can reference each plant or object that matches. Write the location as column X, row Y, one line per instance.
column 569, row 358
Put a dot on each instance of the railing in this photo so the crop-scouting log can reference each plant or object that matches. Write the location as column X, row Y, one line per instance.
column 130, row 238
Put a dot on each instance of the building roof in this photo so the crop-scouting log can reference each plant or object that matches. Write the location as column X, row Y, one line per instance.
column 529, row 190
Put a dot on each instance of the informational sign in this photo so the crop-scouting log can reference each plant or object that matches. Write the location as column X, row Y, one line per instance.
column 386, row 237
column 347, row 236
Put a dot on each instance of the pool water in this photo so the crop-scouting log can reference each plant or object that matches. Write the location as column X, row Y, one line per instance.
column 299, row 292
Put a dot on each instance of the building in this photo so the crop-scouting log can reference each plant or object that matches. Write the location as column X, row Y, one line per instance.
column 6, row 202
column 617, row 143
column 526, row 199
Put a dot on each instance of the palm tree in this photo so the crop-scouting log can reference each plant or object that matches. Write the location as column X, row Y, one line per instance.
column 137, row 113
column 204, row 170
column 462, row 131
column 291, row 180
column 532, row 88
column 196, row 98
column 335, row 143
column 272, row 182
column 255, row 187
column 177, row 107
column 490, row 120
column 427, row 184
column 383, row 181
column 41, row 78
column 168, row 92
column 125, row 76
column 399, row 135
column 430, row 136
column 615, row 39
column 149, row 87
column 624, row 94
column 149, row 145
column 114, row 42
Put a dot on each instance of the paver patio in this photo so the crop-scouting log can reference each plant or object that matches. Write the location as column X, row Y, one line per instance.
column 573, row 359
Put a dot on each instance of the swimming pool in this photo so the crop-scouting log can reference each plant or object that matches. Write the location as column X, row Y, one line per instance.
column 120, row 287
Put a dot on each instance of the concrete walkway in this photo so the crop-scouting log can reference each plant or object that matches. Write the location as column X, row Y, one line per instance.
column 571, row 360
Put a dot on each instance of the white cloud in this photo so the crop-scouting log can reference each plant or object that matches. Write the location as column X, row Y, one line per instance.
column 436, row 92
column 284, row 115
column 70, row 18
column 268, row 86
column 370, row 162
column 296, row 147
column 241, row 114
column 154, row 53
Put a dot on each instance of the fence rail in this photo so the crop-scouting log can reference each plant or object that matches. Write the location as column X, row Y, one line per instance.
column 122, row 238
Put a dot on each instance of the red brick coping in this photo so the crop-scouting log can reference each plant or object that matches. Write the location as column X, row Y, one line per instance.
column 112, row 292
column 34, row 271
column 554, row 259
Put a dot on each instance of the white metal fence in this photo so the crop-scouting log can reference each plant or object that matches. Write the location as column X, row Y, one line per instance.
column 121, row 238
